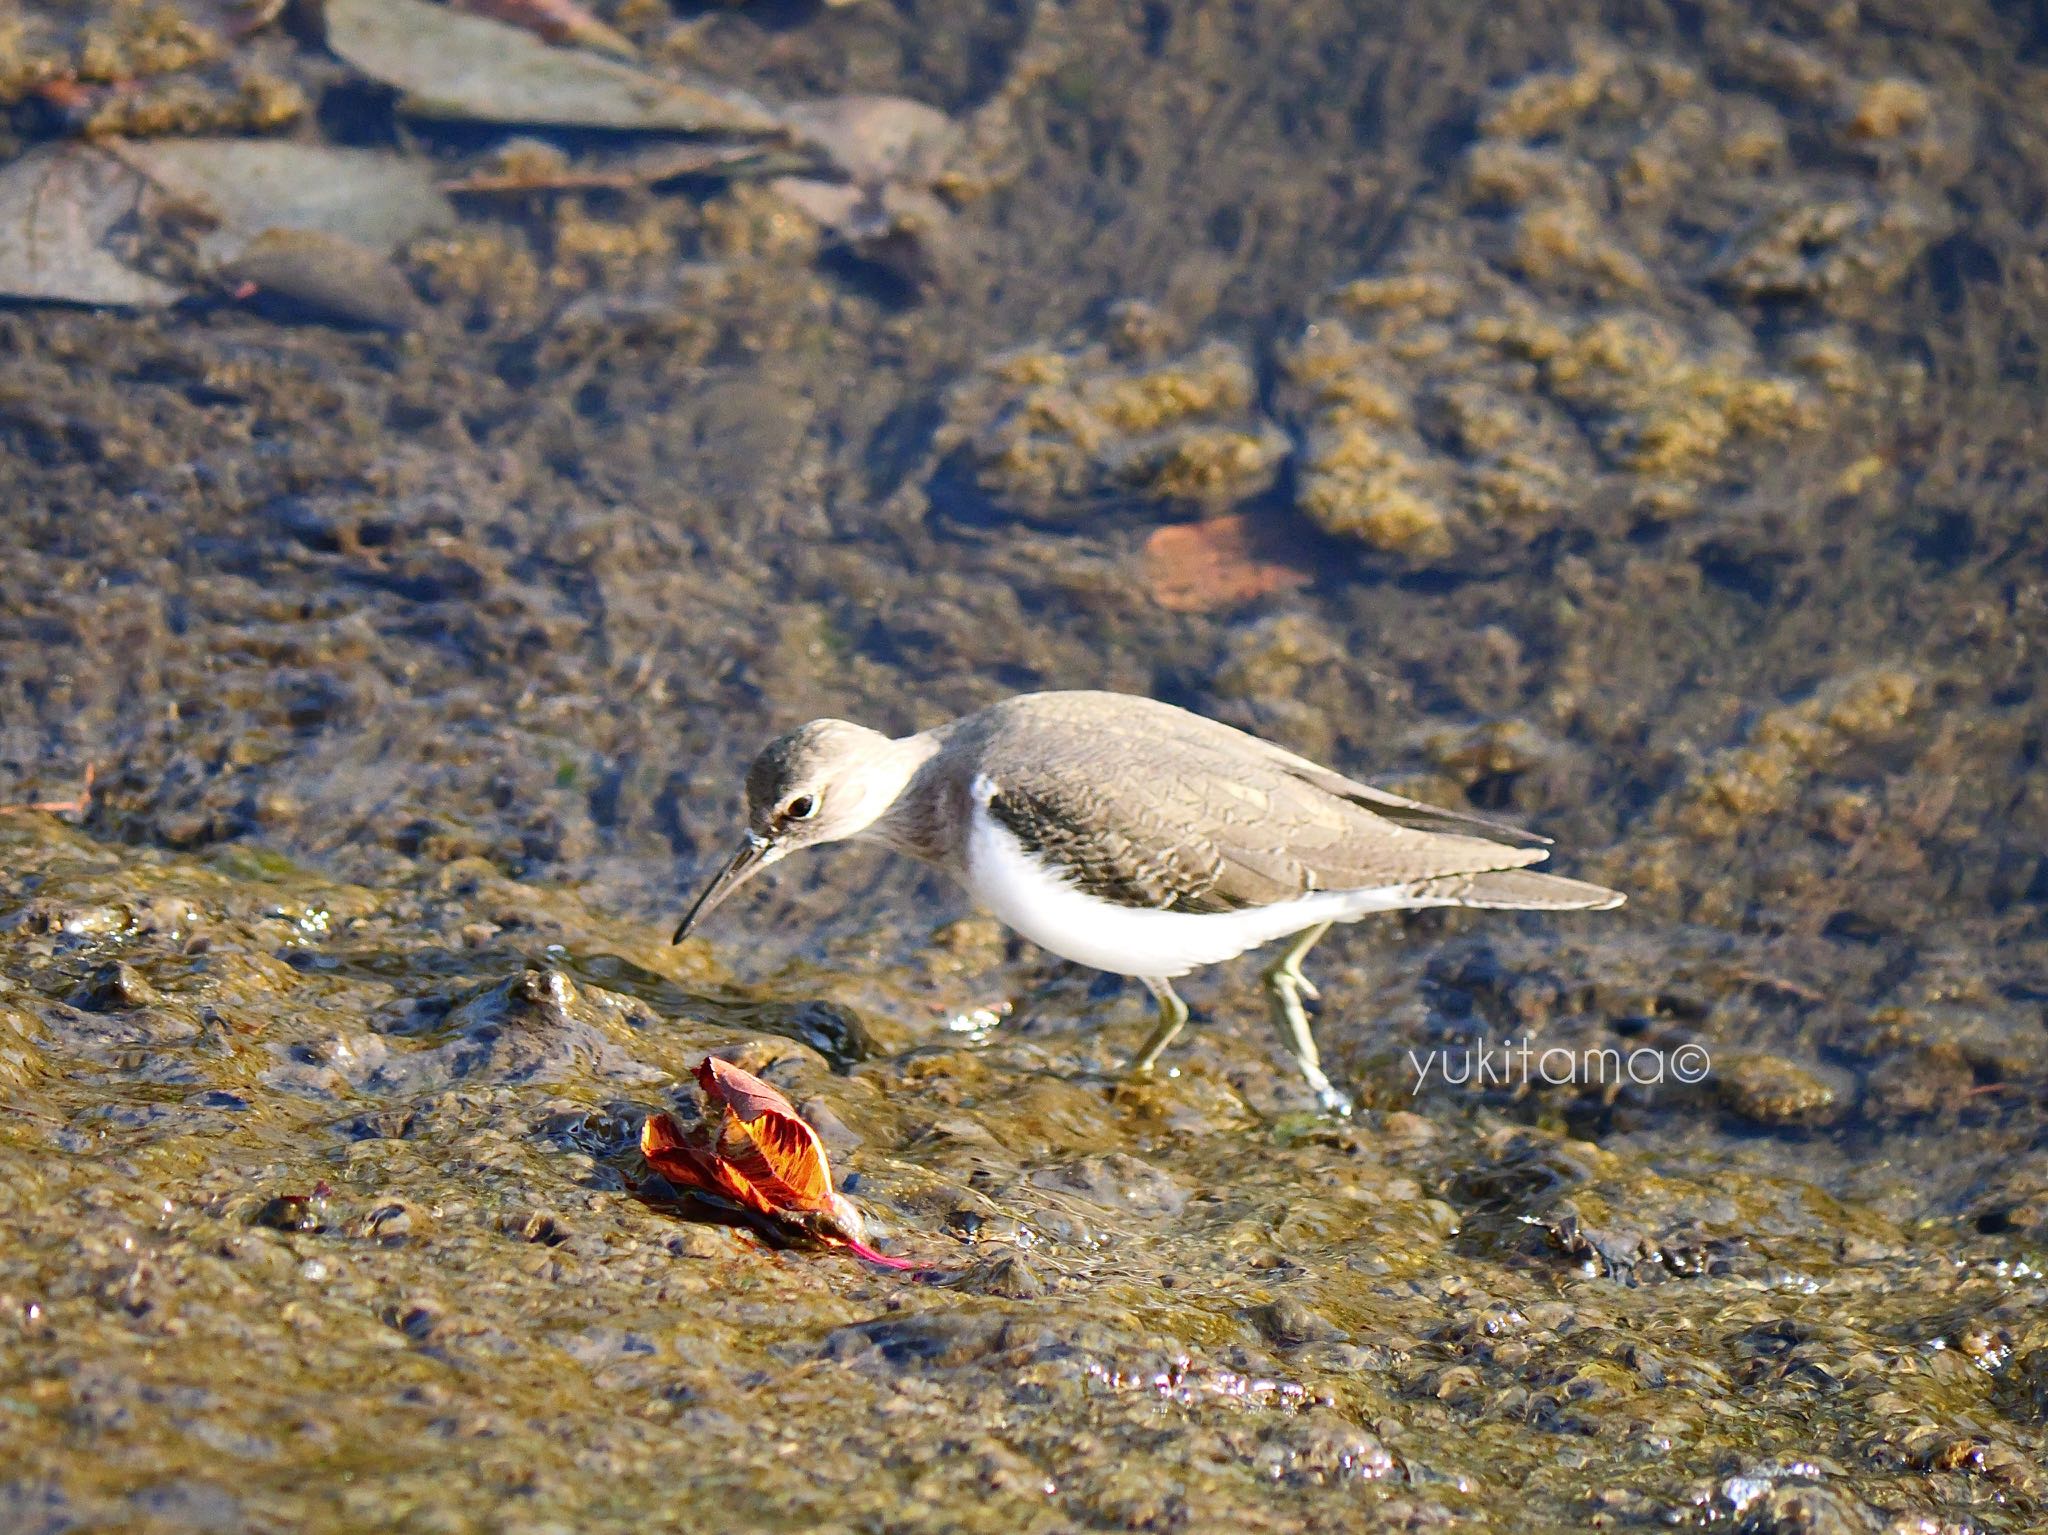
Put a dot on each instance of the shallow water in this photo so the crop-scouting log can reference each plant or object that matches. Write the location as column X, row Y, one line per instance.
column 1653, row 402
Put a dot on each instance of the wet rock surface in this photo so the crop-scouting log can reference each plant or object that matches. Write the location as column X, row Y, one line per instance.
column 1051, row 432
column 1653, row 419
column 1623, row 300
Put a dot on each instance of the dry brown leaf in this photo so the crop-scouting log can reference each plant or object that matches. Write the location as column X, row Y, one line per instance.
column 754, row 1150
column 1199, row 567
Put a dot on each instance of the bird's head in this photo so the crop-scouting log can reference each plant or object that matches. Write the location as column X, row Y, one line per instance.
column 822, row 782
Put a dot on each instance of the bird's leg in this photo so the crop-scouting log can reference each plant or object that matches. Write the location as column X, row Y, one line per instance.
column 1173, row 1013
column 1286, row 986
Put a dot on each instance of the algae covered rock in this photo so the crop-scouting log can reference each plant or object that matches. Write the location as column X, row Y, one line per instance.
column 1585, row 328
column 1771, row 1091
column 1052, row 433
column 1441, row 418
column 1790, row 746
column 141, row 70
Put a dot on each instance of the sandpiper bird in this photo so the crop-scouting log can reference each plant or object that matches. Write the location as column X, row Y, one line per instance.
column 1133, row 836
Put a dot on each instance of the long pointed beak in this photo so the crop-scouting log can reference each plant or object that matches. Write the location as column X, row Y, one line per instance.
column 755, row 854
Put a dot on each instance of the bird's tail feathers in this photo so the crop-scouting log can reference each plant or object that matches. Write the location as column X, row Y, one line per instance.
column 1516, row 889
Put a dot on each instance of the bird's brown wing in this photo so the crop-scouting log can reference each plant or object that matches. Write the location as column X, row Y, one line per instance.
column 1414, row 813
column 1186, row 820
column 1115, row 711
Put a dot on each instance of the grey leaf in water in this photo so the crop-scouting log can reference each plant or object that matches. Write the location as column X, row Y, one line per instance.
column 453, row 65
column 877, row 138
column 63, row 212
column 78, row 222
column 328, row 274
column 245, row 187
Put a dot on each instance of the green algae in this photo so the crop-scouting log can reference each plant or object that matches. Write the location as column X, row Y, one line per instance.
column 392, row 1184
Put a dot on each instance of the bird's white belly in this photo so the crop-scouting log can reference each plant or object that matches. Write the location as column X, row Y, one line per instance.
column 1034, row 899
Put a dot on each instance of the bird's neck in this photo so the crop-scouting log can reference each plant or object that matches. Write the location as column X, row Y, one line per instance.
column 905, row 777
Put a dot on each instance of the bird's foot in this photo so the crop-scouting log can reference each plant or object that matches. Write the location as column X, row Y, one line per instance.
column 1173, row 1017
column 1286, row 986
column 1334, row 1101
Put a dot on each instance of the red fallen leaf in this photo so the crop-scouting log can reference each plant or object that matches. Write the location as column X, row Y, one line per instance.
column 760, row 1155
column 1197, row 567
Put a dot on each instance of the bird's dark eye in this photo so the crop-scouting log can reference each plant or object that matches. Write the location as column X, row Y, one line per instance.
column 802, row 808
